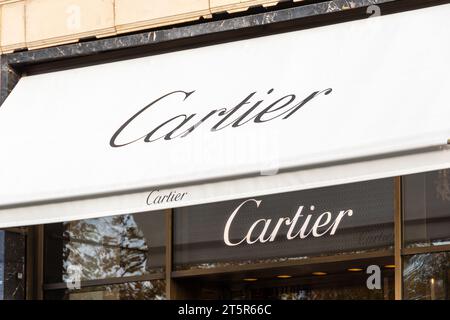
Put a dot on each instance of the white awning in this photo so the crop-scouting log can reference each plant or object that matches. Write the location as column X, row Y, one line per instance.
column 343, row 103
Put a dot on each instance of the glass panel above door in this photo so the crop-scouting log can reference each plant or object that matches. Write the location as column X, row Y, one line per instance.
column 335, row 220
column 426, row 201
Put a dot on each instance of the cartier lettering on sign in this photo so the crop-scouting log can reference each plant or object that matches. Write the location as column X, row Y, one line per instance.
column 156, row 197
column 302, row 225
column 217, row 119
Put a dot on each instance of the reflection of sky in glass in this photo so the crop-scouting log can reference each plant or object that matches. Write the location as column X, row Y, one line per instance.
column 2, row 261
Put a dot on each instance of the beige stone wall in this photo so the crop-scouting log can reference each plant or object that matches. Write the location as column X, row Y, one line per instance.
column 41, row 23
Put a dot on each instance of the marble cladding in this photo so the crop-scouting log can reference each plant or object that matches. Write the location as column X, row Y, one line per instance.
column 12, row 265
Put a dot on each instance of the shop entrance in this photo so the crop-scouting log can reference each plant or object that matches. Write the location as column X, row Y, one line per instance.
column 317, row 281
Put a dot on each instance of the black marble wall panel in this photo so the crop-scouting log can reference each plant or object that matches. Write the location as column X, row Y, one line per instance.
column 12, row 265
column 8, row 78
column 2, row 263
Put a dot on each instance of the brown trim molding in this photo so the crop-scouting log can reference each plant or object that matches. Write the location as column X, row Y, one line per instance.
column 169, row 255
column 281, row 264
column 398, row 239
column 108, row 281
column 427, row 249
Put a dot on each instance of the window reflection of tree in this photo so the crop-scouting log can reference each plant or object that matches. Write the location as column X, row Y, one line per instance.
column 421, row 269
column 105, row 247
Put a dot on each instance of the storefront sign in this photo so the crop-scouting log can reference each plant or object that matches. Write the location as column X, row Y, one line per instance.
column 155, row 197
column 182, row 125
column 345, row 218
column 300, row 226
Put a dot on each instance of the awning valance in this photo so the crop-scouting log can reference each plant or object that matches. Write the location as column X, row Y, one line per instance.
column 343, row 103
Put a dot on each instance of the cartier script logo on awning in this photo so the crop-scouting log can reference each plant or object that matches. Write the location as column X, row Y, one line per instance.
column 217, row 119
column 302, row 225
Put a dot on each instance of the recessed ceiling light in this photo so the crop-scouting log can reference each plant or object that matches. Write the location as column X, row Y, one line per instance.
column 284, row 276
column 390, row 266
column 354, row 269
column 250, row 279
column 319, row 273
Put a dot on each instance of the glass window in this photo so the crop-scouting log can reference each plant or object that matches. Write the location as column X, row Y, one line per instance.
column 340, row 219
column 110, row 247
column 427, row 208
column 145, row 290
column 427, row 276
